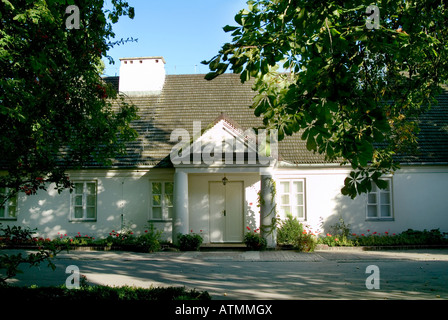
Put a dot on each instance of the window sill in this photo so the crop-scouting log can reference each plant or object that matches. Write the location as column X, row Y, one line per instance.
column 82, row 220
column 380, row 219
column 161, row 220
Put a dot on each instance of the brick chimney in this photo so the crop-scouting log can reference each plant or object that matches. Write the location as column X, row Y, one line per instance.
column 142, row 76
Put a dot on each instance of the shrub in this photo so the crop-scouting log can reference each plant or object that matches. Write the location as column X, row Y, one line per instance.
column 150, row 240
column 99, row 293
column 305, row 242
column 289, row 231
column 190, row 242
column 254, row 240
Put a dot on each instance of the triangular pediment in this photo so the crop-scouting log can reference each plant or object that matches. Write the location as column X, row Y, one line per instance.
column 223, row 142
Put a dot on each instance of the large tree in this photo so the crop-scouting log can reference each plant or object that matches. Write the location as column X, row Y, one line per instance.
column 55, row 111
column 354, row 77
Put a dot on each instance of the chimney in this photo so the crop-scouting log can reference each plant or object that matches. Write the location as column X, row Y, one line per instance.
column 142, row 76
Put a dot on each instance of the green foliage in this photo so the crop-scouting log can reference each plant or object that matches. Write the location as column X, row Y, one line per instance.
column 305, row 242
column 289, row 230
column 55, row 110
column 100, row 293
column 148, row 241
column 353, row 93
column 343, row 237
column 9, row 264
column 254, row 241
column 293, row 233
column 190, row 242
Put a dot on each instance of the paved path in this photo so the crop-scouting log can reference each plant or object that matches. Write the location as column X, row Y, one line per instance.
column 285, row 275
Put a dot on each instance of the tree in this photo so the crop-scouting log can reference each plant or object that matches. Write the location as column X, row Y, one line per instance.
column 56, row 112
column 355, row 78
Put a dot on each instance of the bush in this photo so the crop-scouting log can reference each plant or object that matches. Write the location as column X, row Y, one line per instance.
column 149, row 241
column 190, row 242
column 289, row 231
column 99, row 293
column 306, row 242
column 254, row 240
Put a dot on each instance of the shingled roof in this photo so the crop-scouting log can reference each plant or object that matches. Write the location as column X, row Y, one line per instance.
column 188, row 98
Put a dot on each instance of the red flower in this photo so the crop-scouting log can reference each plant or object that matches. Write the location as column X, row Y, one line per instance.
column 362, row 234
column 248, row 228
column 146, row 231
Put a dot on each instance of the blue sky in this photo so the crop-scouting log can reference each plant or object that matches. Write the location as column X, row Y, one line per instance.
column 184, row 32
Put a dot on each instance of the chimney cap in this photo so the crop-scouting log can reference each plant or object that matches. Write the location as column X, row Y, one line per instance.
column 145, row 58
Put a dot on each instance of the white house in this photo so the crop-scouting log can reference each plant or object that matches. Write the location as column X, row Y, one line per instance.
column 212, row 185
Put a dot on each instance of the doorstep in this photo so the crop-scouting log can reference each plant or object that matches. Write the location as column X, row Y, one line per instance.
column 223, row 246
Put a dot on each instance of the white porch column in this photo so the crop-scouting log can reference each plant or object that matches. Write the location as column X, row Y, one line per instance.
column 180, row 219
column 267, row 209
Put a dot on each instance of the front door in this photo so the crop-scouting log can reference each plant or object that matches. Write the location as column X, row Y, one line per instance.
column 226, row 211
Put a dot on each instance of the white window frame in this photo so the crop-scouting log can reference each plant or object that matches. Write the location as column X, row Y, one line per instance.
column 164, row 206
column 7, row 205
column 292, row 200
column 84, row 204
column 378, row 198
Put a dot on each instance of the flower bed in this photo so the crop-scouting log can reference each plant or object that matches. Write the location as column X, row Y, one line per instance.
column 148, row 241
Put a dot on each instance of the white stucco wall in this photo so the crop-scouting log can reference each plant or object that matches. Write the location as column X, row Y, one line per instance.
column 420, row 201
column 118, row 192
column 419, row 195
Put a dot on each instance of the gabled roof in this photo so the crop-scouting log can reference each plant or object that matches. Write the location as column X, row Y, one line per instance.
column 188, row 98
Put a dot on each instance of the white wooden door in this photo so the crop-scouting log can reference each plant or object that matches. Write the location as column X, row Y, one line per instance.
column 226, row 212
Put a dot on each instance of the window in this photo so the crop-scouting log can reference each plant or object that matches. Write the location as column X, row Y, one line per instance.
column 8, row 209
column 83, row 201
column 291, row 195
column 161, row 200
column 379, row 202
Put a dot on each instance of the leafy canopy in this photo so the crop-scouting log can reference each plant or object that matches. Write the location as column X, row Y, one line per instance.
column 55, row 110
column 352, row 91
